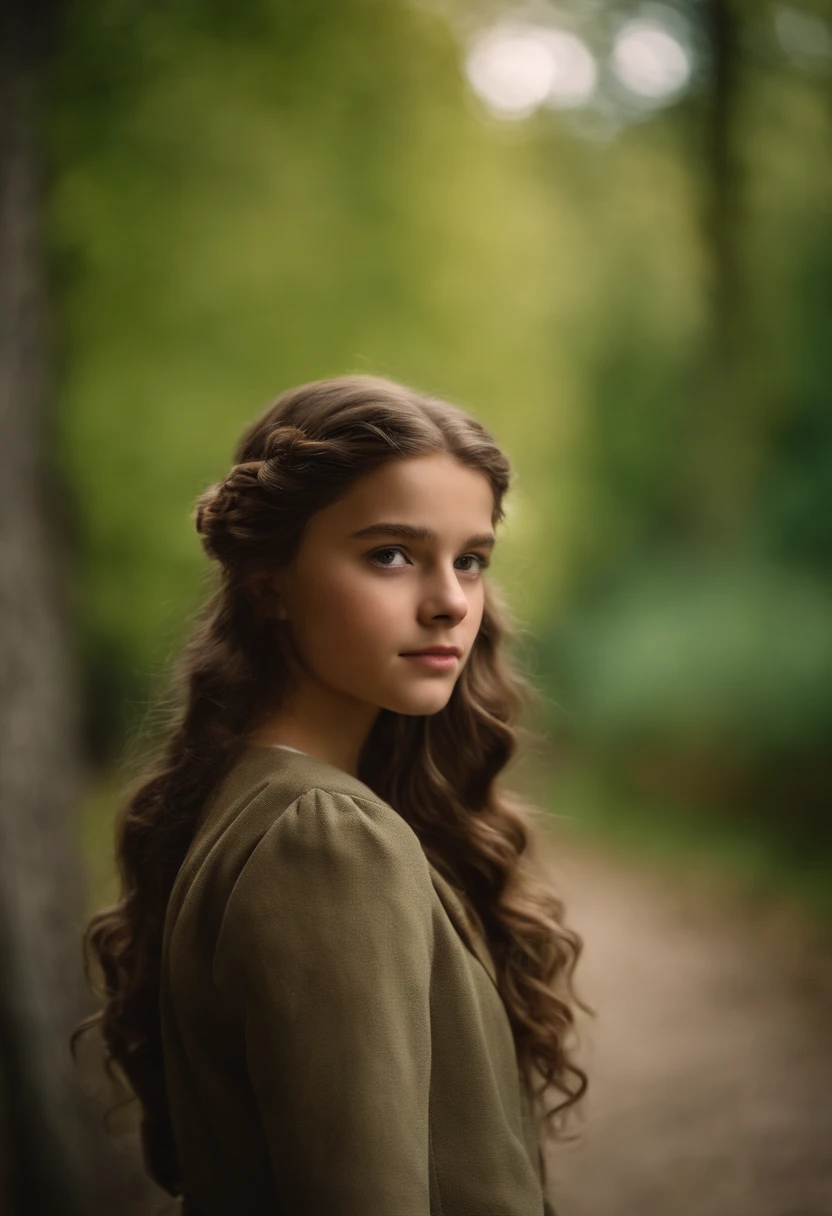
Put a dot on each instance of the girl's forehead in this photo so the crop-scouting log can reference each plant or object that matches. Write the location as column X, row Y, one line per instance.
column 435, row 493
column 438, row 478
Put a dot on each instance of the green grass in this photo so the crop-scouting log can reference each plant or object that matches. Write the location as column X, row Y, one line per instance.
column 750, row 857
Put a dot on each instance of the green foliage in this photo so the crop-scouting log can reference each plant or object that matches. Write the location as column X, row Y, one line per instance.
column 723, row 656
column 743, row 855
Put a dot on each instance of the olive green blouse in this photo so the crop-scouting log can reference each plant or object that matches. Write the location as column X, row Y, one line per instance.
column 334, row 1041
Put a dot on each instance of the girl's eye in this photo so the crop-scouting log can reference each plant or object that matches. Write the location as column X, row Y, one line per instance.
column 381, row 553
column 483, row 562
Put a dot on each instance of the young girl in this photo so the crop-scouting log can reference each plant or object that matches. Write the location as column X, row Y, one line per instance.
column 335, row 980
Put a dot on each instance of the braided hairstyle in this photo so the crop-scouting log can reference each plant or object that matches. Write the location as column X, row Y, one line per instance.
column 438, row 771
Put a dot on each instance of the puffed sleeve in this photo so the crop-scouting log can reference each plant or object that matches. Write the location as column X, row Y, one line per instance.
column 326, row 945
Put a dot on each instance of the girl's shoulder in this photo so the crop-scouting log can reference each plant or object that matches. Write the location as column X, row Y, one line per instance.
column 265, row 781
column 275, row 803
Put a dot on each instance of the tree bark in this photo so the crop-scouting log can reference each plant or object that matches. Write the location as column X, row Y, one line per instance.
column 41, row 907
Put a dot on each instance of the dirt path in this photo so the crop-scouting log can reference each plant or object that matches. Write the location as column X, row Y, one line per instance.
column 710, row 1060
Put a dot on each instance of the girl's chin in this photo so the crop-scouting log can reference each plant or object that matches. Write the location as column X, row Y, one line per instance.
column 418, row 706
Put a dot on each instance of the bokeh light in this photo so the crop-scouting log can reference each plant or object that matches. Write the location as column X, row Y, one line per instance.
column 516, row 68
column 650, row 61
column 804, row 37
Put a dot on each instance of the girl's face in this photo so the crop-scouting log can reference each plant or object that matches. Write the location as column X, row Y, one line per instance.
column 392, row 567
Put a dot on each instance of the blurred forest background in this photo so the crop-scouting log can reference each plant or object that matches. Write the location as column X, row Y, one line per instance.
column 603, row 226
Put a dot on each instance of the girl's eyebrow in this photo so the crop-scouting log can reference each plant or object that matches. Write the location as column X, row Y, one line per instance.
column 418, row 532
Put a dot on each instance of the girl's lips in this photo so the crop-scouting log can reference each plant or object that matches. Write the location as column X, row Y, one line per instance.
column 439, row 662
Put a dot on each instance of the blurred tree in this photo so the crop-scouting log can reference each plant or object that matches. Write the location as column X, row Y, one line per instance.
column 696, row 647
column 718, row 493
column 47, row 1142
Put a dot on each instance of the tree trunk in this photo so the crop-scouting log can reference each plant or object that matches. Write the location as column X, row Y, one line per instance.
column 41, row 911
column 722, row 450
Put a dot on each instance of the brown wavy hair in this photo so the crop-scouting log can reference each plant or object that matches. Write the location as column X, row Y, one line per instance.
column 438, row 771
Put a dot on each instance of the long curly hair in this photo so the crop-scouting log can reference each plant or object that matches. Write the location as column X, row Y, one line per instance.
column 438, row 771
